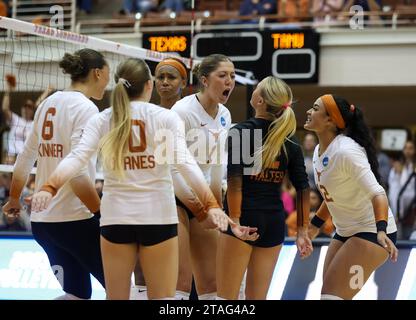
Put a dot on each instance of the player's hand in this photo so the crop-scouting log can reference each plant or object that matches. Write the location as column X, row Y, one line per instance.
column 387, row 244
column 216, row 219
column 304, row 243
column 12, row 209
column 242, row 232
column 40, row 200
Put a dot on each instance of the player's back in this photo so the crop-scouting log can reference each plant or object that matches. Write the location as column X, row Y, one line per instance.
column 147, row 184
column 58, row 126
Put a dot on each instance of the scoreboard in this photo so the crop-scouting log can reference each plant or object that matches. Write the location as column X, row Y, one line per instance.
column 290, row 54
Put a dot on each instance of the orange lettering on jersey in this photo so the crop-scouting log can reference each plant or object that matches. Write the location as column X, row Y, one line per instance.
column 139, row 162
column 52, row 150
column 142, row 146
column 322, row 189
column 325, row 193
column 47, row 126
column 152, row 162
column 273, row 176
column 275, row 164
column 318, row 174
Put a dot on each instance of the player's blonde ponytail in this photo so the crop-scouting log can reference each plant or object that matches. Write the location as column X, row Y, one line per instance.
column 278, row 97
column 130, row 78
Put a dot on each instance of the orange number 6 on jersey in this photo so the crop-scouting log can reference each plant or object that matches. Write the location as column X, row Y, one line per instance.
column 47, row 127
column 142, row 146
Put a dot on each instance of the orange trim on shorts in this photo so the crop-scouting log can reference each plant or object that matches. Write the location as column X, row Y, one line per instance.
column 173, row 63
column 333, row 111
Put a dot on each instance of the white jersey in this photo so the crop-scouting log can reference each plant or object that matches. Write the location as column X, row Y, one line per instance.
column 16, row 137
column 145, row 194
column 206, row 138
column 59, row 122
column 347, row 184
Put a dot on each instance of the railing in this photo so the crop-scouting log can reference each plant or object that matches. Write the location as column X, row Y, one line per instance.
column 230, row 20
column 43, row 11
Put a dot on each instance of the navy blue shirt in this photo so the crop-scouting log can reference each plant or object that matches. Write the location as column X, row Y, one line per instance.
column 261, row 192
column 262, row 7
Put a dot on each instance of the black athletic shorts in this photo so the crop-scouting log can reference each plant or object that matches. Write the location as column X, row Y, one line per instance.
column 74, row 248
column 270, row 225
column 146, row 235
column 180, row 204
column 369, row 236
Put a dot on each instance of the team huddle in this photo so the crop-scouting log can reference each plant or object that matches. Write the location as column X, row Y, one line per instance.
column 165, row 213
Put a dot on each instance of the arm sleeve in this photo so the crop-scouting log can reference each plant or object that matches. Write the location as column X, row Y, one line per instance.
column 77, row 159
column 25, row 161
column 188, row 168
column 83, row 188
column 82, row 184
column 302, row 207
column 356, row 166
column 185, row 194
column 234, row 173
column 216, row 182
column 299, row 179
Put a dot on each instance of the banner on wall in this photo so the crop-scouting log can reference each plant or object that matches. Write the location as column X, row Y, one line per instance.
column 25, row 274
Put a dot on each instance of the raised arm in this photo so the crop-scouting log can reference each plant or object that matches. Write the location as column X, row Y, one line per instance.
column 44, row 95
column 22, row 168
column 5, row 106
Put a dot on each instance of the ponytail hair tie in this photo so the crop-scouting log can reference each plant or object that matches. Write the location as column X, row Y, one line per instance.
column 286, row 105
column 125, row 82
column 352, row 108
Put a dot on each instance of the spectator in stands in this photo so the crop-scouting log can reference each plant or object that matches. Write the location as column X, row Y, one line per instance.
column 293, row 10
column 366, row 5
column 12, row 222
column 172, row 6
column 19, row 126
column 315, row 201
column 15, row 223
column 257, row 7
column 321, row 8
column 84, row 6
column 4, row 10
column 142, row 6
column 14, row 139
column 309, row 144
column 288, row 196
column 4, row 187
column 402, row 180
column 384, row 167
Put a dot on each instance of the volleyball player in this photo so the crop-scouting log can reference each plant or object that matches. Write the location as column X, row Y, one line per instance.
column 138, row 213
column 207, row 122
column 66, row 230
column 346, row 174
column 253, row 197
column 170, row 79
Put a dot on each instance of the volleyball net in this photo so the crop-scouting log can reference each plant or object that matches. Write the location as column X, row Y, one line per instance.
column 29, row 65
